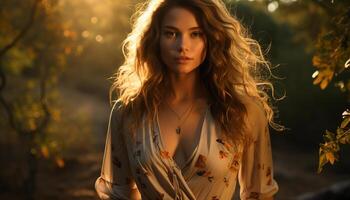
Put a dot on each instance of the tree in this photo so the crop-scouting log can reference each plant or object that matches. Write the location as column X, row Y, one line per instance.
column 30, row 62
column 329, row 42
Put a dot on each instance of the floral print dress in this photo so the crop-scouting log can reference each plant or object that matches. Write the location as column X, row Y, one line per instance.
column 210, row 173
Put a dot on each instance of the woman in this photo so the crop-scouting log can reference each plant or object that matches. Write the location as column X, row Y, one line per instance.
column 190, row 117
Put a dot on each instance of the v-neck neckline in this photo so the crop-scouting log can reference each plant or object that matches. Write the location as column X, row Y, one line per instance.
column 195, row 151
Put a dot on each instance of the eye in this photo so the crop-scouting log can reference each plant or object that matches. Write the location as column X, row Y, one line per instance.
column 196, row 34
column 170, row 34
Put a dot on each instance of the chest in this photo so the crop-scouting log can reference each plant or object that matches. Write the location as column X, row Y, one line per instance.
column 180, row 138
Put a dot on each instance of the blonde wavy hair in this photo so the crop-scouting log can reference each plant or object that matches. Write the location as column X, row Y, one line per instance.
column 232, row 66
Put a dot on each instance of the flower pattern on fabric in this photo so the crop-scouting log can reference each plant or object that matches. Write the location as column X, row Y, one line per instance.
column 269, row 181
column 224, row 143
column 234, row 167
column 117, row 162
column 165, row 154
column 261, row 166
column 268, row 175
column 139, row 179
column 211, row 169
column 201, row 161
column 226, row 181
column 254, row 195
column 223, row 154
column 139, row 171
column 268, row 171
column 202, row 171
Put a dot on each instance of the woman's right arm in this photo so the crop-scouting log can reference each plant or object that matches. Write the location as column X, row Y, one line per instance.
column 116, row 181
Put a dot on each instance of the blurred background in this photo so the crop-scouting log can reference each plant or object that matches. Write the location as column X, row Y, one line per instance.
column 57, row 57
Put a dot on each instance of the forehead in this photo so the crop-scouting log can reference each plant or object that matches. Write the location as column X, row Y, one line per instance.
column 179, row 17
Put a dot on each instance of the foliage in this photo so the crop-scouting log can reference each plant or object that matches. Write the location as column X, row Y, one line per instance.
column 32, row 56
column 329, row 151
column 329, row 42
column 41, row 43
column 30, row 77
column 333, row 52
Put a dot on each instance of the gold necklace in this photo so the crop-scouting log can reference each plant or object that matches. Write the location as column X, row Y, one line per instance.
column 179, row 118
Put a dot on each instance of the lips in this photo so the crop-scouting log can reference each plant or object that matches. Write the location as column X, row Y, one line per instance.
column 183, row 59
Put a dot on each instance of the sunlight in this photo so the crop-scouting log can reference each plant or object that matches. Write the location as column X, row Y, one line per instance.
column 288, row 1
column 99, row 38
column 347, row 63
column 272, row 7
column 94, row 20
column 85, row 34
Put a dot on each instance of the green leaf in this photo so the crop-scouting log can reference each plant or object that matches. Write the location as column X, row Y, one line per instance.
column 329, row 136
column 345, row 138
column 345, row 122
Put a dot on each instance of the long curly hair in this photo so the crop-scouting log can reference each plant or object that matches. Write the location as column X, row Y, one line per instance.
column 232, row 66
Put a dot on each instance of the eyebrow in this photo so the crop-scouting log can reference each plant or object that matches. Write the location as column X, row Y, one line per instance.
column 173, row 27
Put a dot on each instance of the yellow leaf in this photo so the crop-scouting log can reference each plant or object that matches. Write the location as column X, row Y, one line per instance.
column 330, row 157
column 322, row 162
column 328, row 74
column 45, row 151
column 56, row 115
column 345, row 122
column 324, row 84
column 31, row 124
column 317, row 80
column 59, row 162
column 316, row 61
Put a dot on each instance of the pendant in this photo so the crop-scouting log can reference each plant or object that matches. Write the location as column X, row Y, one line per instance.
column 178, row 130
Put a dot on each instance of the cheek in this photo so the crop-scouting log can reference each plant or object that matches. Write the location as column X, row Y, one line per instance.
column 164, row 48
column 166, row 45
column 201, row 51
column 161, row 44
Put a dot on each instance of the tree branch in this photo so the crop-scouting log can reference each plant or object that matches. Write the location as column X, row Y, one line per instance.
column 23, row 31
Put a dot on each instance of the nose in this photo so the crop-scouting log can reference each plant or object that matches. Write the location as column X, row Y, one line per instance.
column 182, row 43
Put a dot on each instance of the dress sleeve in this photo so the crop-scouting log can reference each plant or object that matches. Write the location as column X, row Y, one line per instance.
column 115, row 181
column 256, row 170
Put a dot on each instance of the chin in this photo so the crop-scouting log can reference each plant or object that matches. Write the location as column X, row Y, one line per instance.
column 183, row 69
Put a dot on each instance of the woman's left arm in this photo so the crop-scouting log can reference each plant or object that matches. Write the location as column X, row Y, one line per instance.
column 256, row 170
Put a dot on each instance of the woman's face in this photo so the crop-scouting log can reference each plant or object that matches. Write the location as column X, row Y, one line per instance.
column 182, row 41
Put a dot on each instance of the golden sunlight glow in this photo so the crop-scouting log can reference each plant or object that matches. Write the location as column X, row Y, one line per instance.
column 347, row 63
column 85, row 34
column 315, row 74
column 94, row 20
column 341, row 85
column 99, row 38
column 67, row 50
column 346, row 113
column 287, row 1
column 69, row 34
column 272, row 7
column 66, row 33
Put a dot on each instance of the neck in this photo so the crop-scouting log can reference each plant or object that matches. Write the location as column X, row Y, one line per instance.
column 185, row 87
